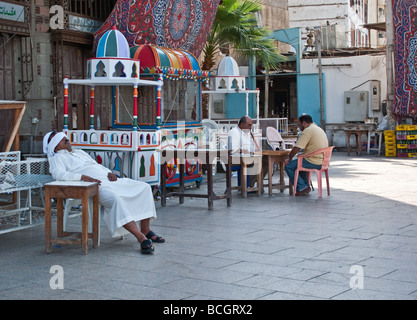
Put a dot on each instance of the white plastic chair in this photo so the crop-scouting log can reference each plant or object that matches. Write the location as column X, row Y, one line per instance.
column 275, row 140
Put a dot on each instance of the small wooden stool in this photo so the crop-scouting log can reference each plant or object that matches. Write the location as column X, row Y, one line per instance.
column 358, row 135
column 76, row 190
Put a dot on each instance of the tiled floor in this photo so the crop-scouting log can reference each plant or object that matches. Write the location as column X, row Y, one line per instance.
column 280, row 247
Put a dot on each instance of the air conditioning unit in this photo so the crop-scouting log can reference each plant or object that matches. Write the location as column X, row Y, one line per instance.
column 356, row 106
column 333, row 36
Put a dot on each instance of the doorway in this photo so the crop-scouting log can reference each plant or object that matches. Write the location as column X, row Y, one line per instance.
column 281, row 106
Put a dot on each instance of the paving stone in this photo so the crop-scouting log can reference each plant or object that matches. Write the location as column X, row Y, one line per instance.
column 261, row 248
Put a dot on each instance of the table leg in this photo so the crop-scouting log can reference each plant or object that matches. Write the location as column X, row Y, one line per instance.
column 210, row 185
column 348, row 143
column 243, row 179
column 259, row 182
column 163, row 185
column 380, row 137
column 281, row 175
column 270, row 169
column 84, row 226
column 181, row 186
column 229, row 179
column 48, row 238
column 95, row 221
column 358, row 146
column 60, row 217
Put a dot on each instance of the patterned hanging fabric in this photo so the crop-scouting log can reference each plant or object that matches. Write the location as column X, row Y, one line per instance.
column 405, row 34
column 176, row 24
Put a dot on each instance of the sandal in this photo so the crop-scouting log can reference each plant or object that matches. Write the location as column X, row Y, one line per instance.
column 157, row 239
column 146, row 246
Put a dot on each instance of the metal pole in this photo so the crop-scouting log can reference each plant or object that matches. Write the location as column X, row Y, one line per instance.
column 318, row 41
column 135, row 107
column 389, row 22
column 92, row 108
column 266, row 107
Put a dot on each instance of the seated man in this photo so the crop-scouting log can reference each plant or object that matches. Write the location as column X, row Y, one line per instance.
column 312, row 138
column 243, row 142
column 125, row 201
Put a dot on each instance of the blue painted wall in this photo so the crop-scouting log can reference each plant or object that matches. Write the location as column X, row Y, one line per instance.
column 235, row 105
column 309, row 96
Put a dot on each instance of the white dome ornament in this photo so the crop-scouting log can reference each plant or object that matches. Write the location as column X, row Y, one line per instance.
column 228, row 76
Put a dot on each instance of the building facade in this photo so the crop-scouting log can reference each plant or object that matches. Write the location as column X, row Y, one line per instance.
column 343, row 22
column 41, row 42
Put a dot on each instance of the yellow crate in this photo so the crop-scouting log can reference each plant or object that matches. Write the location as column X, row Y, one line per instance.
column 389, row 133
column 412, row 155
column 411, row 127
column 390, row 138
column 390, row 154
column 401, row 127
column 401, row 146
column 411, row 136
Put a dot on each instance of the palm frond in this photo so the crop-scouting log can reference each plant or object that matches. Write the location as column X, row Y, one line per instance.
column 236, row 24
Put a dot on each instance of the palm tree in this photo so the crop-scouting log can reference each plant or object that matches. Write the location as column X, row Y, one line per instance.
column 236, row 24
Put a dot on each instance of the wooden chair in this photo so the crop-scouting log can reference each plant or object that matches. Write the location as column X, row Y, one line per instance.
column 327, row 153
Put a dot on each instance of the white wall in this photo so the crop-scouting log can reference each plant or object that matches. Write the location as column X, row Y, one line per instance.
column 339, row 79
column 312, row 13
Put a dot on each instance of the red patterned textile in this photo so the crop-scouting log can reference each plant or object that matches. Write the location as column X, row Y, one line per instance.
column 405, row 28
column 176, row 24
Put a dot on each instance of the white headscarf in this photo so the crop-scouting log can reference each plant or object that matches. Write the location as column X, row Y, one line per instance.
column 49, row 148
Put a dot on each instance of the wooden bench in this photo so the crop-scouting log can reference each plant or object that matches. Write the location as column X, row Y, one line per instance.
column 16, row 176
column 206, row 156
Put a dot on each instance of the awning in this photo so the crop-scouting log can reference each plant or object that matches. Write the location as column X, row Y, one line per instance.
column 380, row 26
column 170, row 62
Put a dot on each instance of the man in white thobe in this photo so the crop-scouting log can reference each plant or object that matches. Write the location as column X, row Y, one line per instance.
column 244, row 143
column 125, row 202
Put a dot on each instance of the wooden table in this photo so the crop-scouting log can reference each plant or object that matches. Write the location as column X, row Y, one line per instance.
column 273, row 157
column 206, row 156
column 246, row 160
column 358, row 134
column 74, row 190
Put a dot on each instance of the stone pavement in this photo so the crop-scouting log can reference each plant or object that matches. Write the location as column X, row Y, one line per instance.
column 359, row 243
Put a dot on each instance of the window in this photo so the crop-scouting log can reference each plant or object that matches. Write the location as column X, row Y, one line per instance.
column 180, row 101
column 99, row 9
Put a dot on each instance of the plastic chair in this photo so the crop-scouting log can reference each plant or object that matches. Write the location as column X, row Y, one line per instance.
column 327, row 153
column 275, row 140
